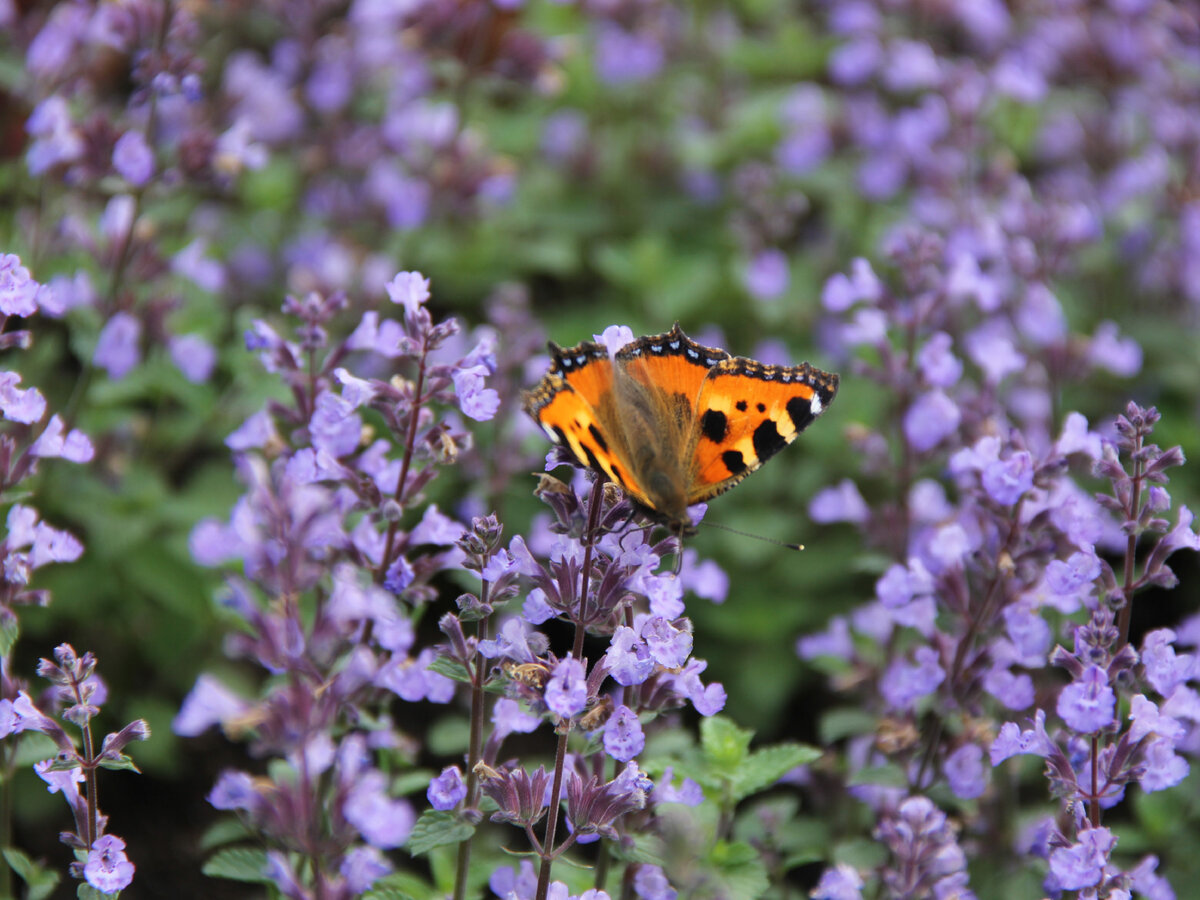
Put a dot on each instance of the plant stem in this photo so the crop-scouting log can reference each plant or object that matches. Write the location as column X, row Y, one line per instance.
column 560, row 753
column 474, row 752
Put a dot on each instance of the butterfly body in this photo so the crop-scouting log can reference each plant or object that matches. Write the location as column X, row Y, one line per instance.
column 674, row 422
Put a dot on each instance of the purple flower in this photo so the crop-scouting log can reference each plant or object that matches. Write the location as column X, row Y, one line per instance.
column 255, row 433
column 234, row 790
column 855, row 61
column 55, row 138
column 965, row 772
column 939, row 366
column 904, row 684
column 410, row 290
column 651, row 884
column 383, row 822
column 447, row 790
column 133, row 159
column 1012, row 741
column 567, row 690
column 1081, row 865
column 193, row 356
column 841, row 503
column 624, row 57
column 75, row 446
column 192, row 264
column 25, row 406
column 1087, row 704
column 1164, row 669
column 840, row 882
column 689, row 793
column 117, row 348
column 835, row 641
column 669, row 646
column 1109, row 351
column 1029, row 633
column 623, row 737
column 628, row 658
column 992, row 349
column 766, row 276
column 508, row 717
column 1007, row 480
column 19, row 293
column 1163, row 767
column 107, row 869
column 362, row 867
column 900, row 585
column 931, row 419
column 334, row 426
column 476, row 401
column 208, row 703
column 1073, row 578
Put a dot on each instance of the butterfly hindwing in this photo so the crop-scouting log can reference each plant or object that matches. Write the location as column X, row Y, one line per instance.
column 746, row 413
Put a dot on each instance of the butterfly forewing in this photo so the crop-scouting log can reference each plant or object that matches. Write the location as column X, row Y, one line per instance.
column 746, row 413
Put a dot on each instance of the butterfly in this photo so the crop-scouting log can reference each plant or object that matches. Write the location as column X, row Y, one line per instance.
column 671, row 421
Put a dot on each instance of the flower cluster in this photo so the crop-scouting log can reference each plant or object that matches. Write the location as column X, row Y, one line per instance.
column 77, row 695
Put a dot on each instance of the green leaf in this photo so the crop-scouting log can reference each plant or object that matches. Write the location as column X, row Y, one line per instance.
column 886, row 776
column 239, row 864
column 437, row 828
column 724, row 744
column 10, row 630
column 225, row 831
column 451, row 668
column 86, row 892
column 740, row 870
column 849, row 722
column 766, row 766
column 121, row 763
column 40, row 883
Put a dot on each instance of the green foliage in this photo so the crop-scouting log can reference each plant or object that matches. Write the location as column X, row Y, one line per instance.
column 238, row 864
column 437, row 829
column 39, row 882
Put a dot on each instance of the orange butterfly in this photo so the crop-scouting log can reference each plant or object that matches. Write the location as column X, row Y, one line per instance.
column 671, row 421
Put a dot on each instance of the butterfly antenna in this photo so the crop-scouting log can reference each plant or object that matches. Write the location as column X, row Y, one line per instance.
column 757, row 537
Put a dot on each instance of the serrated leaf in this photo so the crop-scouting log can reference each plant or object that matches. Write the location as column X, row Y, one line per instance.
column 238, row 864
column 451, row 668
column 724, row 744
column 39, row 883
column 740, row 870
column 766, row 766
column 436, row 828
column 121, row 763
column 10, row 630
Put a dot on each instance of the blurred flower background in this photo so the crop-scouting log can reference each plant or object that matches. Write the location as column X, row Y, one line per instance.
column 325, row 593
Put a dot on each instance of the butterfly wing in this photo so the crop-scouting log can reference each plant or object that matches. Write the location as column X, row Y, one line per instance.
column 746, row 413
column 574, row 404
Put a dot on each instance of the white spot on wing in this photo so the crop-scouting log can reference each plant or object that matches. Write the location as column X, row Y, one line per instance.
column 815, row 407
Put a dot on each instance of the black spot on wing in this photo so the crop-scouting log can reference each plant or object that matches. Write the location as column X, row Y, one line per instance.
column 741, row 405
column 591, row 459
column 761, row 407
column 767, row 441
column 734, row 462
column 598, row 437
column 714, row 425
column 800, row 411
